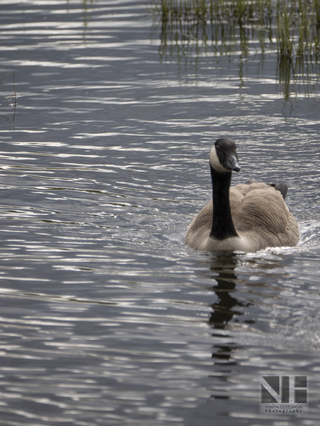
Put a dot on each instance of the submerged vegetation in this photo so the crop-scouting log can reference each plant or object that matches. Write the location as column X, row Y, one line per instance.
column 291, row 28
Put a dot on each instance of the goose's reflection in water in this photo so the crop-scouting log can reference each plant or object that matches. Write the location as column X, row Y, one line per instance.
column 225, row 309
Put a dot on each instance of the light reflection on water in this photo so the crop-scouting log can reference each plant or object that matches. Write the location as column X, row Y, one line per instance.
column 106, row 316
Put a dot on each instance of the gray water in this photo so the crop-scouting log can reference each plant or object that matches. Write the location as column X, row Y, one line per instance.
column 107, row 318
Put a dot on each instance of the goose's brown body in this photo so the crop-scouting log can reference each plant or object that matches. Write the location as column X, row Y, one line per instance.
column 260, row 216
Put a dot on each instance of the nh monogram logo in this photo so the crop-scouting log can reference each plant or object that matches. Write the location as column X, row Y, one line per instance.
column 283, row 394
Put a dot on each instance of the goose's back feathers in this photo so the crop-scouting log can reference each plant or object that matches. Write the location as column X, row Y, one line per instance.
column 260, row 216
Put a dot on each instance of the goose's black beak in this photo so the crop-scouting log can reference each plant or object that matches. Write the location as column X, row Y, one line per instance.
column 231, row 162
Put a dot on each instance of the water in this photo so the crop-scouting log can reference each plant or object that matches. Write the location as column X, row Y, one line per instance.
column 106, row 316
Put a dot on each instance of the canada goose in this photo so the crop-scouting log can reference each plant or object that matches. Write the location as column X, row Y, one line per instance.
column 247, row 217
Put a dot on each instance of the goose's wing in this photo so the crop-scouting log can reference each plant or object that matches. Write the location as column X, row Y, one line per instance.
column 200, row 226
column 260, row 210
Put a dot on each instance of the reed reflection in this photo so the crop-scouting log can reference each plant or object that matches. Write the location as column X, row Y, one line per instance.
column 87, row 6
column 294, row 74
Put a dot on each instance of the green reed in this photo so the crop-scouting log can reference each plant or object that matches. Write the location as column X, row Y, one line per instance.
column 295, row 24
column 291, row 28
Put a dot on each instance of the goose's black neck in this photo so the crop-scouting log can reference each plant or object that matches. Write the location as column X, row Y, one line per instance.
column 222, row 224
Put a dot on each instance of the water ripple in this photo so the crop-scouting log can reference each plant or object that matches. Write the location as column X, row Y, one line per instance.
column 106, row 316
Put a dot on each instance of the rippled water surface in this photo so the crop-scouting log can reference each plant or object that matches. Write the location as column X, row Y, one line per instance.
column 106, row 317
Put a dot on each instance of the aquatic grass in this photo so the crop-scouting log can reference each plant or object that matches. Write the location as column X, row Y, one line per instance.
column 317, row 11
column 290, row 28
column 284, row 29
column 295, row 23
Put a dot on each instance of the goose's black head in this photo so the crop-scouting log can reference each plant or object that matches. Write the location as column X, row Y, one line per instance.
column 223, row 156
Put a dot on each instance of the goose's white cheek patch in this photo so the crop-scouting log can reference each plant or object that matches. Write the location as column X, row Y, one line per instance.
column 215, row 163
